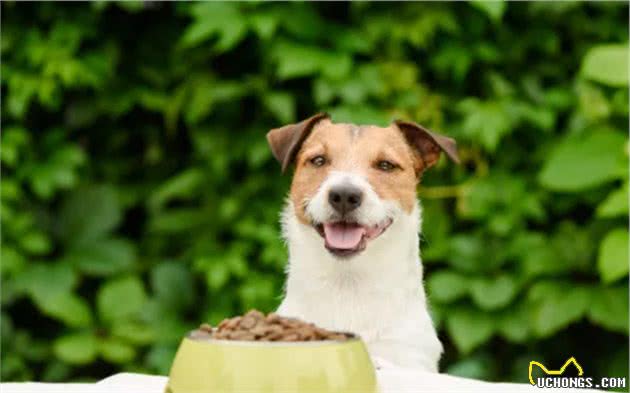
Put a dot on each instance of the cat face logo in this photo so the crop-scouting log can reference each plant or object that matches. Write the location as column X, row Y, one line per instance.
column 571, row 360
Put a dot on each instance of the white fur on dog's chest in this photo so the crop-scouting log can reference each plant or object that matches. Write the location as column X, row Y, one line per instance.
column 347, row 306
column 377, row 294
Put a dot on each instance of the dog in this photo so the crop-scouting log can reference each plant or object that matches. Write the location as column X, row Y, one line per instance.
column 351, row 223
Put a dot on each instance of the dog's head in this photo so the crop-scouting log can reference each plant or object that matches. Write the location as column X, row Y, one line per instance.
column 352, row 182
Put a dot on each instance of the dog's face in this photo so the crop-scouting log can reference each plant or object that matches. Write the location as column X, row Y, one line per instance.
column 352, row 182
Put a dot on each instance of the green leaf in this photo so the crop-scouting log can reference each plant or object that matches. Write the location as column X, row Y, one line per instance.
column 173, row 285
column 437, row 234
column 494, row 9
column 514, row 323
column 486, row 122
column 555, row 306
column 22, row 89
column 607, row 64
column 205, row 92
column 257, row 293
column 11, row 190
column 615, row 204
column 282, row 105
column 479, row 367
column 57, row 372
column 116, row 351
column 59, row 171
column 609, row 308
column 173, row 108
column 184, row 185
column 12, row 260
column 612, row 262
column 536, row 255
column 67, row 307
column 470, row 253
column 359, row 114
column 103, row 257
column 580, row 163
column 365, row 82
column 221, row 19
column 133, row 332
column 503, row 210
column 13, row 141
column 120, row 299
column 77, row 348
column 43, row 281
column 217, row 276
column 89, row 213
column 573, row 247
column 446, row 286
column 263, row 24
column 295, row 60
column 469, row 328
column 176, row 221
column 165, row 325
column 36, row 243
column 493, row 292
column 593, row 103
column 161, row 356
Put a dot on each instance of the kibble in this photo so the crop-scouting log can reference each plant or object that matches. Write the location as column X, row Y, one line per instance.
column 256, row 326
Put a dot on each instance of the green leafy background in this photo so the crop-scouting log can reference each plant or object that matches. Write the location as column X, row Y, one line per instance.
column 139, row 197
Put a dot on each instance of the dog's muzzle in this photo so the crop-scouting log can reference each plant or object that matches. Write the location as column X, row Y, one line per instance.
column 346, row 239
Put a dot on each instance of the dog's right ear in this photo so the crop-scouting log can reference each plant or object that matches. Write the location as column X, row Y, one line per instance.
column 285, row 141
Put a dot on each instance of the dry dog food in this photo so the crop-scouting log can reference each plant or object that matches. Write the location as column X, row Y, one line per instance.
column 256, row 326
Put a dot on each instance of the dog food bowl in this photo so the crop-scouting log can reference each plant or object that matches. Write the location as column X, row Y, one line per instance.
column 204, row 365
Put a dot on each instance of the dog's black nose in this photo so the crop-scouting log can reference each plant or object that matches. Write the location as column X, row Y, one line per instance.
column 345, row 199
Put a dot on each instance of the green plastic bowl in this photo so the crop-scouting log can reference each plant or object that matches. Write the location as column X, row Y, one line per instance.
column 222, row 366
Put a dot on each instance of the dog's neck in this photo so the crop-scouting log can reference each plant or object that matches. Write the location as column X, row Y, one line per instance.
column 390, row 263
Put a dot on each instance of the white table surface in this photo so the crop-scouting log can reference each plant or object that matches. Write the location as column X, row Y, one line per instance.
column 391, row 380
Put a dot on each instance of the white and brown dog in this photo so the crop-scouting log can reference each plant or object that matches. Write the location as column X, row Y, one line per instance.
column 352, row 225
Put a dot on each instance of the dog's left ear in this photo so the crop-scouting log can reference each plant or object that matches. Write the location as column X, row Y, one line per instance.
column 285, row 141
column 427, row 143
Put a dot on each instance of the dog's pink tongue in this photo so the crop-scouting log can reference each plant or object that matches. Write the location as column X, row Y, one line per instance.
column 344, row 236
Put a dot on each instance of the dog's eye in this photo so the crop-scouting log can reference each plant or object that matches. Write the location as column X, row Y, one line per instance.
column 385, row 166
column 318, row 160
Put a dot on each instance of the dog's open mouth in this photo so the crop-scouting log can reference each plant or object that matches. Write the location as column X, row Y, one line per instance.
column 345, row 239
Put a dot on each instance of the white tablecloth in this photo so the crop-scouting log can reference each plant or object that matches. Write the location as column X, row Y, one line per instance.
column 390, row 381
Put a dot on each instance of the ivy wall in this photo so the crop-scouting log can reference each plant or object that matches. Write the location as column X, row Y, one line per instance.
column 139, row 197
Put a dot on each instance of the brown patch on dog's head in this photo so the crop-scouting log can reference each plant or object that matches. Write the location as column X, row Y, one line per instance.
column 391, row 158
